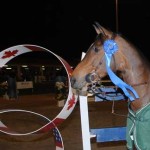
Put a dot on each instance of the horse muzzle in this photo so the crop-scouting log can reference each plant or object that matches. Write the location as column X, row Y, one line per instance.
column 77, row 83
column 82, row 82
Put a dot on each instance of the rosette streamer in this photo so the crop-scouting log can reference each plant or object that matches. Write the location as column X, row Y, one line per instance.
column 110, row 48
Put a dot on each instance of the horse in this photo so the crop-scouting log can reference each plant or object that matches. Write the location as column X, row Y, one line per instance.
column 133, row 68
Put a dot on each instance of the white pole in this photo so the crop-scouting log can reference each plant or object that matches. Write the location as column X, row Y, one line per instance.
column 83, row 55
column 85, row 122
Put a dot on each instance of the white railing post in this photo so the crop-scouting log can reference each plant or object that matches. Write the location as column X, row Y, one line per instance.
column 85, row 122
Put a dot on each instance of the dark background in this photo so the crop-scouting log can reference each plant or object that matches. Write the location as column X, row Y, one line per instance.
column 66, row 26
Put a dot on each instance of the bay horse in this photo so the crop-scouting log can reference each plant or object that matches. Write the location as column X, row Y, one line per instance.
column 134, row 70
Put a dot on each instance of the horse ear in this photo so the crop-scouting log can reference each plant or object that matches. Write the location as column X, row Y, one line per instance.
column 96, row 29
column 99, row 29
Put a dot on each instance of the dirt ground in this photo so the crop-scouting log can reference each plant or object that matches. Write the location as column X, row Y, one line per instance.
column 99, row 114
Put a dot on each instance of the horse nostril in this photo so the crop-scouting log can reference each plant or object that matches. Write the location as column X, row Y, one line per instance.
column 73, row 80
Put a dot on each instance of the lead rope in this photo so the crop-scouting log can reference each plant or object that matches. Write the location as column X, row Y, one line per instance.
column 121, row 115
column 113, row 101
column 113, row 110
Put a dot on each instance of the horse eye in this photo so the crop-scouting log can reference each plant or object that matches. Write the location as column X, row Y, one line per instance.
column 95, row 49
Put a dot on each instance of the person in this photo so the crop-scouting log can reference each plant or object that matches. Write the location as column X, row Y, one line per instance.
column 11, row 85
column 60, row 86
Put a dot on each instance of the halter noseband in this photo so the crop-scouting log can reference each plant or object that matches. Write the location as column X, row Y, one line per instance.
column 92, row 77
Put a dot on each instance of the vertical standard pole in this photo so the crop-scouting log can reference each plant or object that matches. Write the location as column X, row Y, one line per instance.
column 85, row 122
column 117, row 25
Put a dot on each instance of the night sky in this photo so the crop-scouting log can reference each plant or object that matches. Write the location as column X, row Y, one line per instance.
column 66, row 27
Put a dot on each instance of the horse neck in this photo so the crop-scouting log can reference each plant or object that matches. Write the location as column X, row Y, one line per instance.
column 136, row 72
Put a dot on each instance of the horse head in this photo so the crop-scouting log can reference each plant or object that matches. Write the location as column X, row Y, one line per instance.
column 93, row 65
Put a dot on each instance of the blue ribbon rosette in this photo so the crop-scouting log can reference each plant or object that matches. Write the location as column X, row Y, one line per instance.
column 111, row 47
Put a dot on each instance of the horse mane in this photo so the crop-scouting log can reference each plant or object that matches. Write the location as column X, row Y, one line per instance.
column 143, row 56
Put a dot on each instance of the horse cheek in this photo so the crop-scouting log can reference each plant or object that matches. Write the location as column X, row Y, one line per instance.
column 102, row 71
